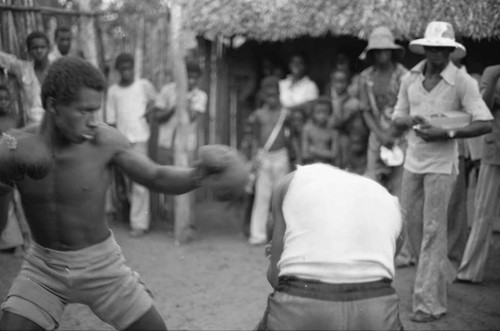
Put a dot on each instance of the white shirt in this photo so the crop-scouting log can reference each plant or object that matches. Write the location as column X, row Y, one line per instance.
column 55, row 53
column 126, row 106
column 292, row 94
column 167, row 98
column 456, row 91
column 340, row 227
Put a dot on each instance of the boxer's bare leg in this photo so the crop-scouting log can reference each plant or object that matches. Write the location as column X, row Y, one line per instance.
column 151, row 320
column 11, row 321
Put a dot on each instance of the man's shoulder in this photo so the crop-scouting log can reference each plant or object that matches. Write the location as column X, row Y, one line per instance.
column 464, row 77
column 352, row 103
column 144, row 81
column 366, row 72
column 109, row 137
column 308, row 81
column 200, row 92
column 259, row 112
column 308, row 127
column 168, row 89
column 113, row 88
column 401, row 68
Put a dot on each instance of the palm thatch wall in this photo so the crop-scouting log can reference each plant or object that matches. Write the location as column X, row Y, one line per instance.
column 276, row 20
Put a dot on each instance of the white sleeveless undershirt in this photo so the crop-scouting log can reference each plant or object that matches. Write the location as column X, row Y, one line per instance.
column 340, row 227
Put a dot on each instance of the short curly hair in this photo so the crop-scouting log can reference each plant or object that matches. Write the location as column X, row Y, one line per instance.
column 323, row 100
column 270, row 81
column 124, row 58
column 36, row 35
column 66, row 76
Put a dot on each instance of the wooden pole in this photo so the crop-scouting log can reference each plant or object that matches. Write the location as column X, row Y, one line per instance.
column 183, row 212
column 88, row 35
column 139, row 49
column 212, row 108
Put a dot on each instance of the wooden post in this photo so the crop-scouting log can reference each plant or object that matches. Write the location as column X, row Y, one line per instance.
column 183, row 212
column 139, row 49
column 212, row 108
column 88, row 34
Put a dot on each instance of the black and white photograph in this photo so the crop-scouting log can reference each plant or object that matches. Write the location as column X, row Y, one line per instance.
column 249, row 165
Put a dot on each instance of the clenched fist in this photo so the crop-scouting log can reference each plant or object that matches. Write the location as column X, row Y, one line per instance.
column 23, row 155
column 224, row 171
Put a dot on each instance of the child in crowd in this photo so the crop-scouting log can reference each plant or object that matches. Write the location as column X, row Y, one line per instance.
column 296, row 124
column 346, row 112
column 318, row 140
column 13, row 235
column 7, row 119
column 273, row 164
column 358, row 144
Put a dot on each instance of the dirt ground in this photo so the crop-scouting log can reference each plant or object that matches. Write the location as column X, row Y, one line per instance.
column 218, row 282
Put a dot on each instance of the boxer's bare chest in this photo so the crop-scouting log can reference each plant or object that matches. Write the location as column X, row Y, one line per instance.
column 78, row 174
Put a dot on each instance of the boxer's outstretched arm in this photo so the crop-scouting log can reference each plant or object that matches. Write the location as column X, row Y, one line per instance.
column 166, row 179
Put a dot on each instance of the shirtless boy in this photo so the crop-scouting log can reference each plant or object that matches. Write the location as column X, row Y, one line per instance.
column 74, row 257
column 318, row 140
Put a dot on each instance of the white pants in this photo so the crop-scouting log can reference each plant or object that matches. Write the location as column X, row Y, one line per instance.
column 485, row 211
column 274, row 166
column 139, row 196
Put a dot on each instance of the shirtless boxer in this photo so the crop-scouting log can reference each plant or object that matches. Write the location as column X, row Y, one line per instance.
column 62, row 171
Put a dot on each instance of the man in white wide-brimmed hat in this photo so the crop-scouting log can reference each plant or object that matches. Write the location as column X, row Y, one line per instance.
column 439, row 103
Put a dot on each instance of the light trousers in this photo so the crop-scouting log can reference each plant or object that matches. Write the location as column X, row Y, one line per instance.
column 457, row 216
column 274, row 166
column 139, row 196
column 486, row 208
column 424, row 199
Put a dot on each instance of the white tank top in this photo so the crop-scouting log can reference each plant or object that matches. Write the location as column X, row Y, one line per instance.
column 340, row 227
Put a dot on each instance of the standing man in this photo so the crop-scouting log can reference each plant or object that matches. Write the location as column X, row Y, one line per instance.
column 62, row 171
column 63, row 38
column 433, row 88
column 126, row 107
column 297, row 91
column 488, row 186
column 164, row 114
column 379, row 86
column 30, row 74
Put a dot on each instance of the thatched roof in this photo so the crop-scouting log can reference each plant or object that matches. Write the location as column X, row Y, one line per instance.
column 273, row 20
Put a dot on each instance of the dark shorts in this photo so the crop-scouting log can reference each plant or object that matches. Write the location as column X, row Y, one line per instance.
column 311, row 305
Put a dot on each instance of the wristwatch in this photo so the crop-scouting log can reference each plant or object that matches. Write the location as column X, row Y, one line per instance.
column 451, row 134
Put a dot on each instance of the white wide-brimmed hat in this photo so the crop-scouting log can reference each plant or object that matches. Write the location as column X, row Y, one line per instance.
column 381, row 38
column 438, row 34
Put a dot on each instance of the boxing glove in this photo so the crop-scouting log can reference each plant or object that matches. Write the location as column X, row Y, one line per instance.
column 23, row 155
column 225, row 171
